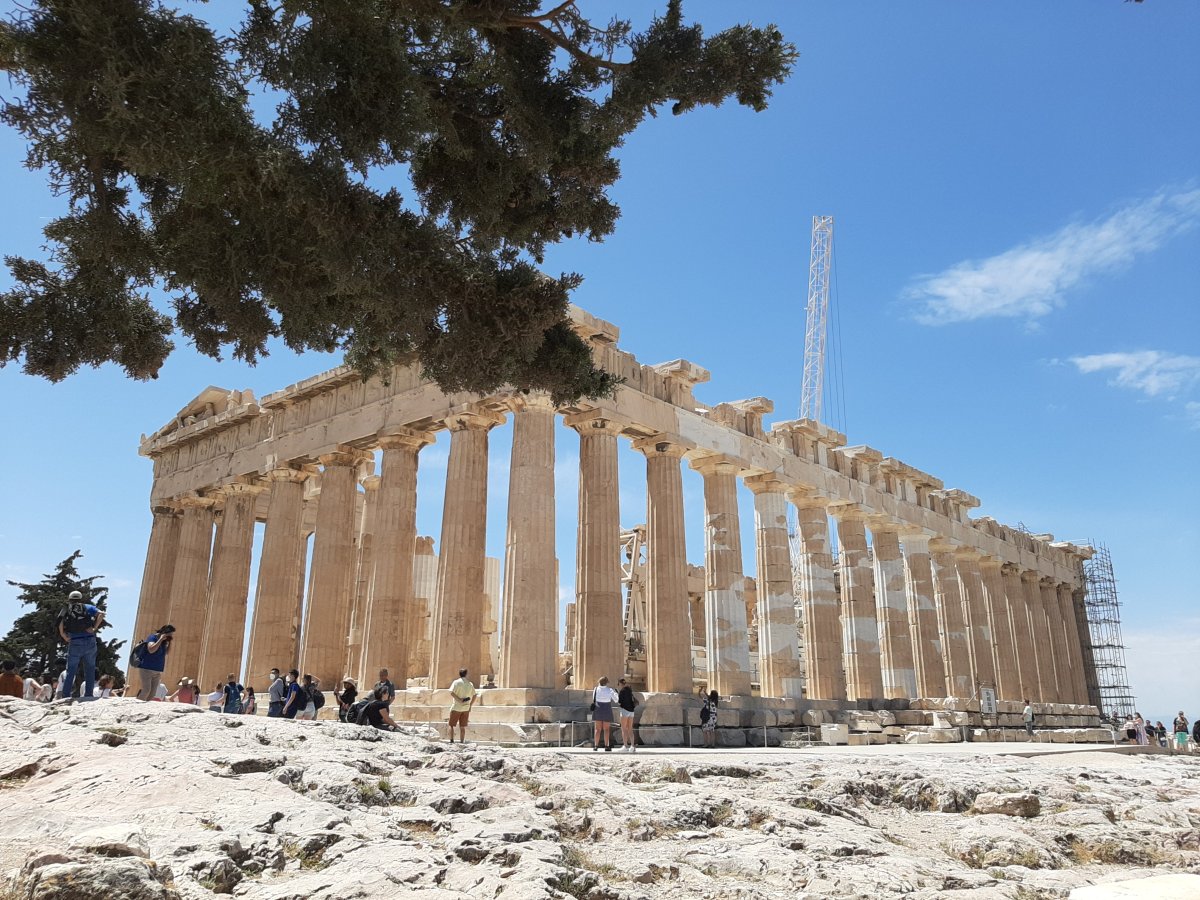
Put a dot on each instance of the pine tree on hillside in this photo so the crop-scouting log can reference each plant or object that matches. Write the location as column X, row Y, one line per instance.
column 33, row 642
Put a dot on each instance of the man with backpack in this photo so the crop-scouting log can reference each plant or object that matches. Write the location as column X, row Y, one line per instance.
column 77, row 626
column 232, row 691
column 294, row 699
column 149, row 657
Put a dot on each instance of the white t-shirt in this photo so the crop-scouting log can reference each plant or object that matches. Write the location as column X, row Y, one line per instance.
column 101, row 693
column 33, row 689
column 215, row 698
column 161, row 692
column 605, row 694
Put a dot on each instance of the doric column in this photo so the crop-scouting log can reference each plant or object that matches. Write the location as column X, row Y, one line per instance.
column 1041, row 675
column 529, row 626
column 1008, row 683
column 825, row 674
column 668, row 632
column 229, row 586
column 275, row 630
column 418, row 628
column 726, row 631
column 922, row 614
column 780, row 672
column 1024, row 658
column 154, row 603
column 189, row 588
column 458, row 605
column 387, row 640
column 891, row 605
column 599, row 638
column 1076, row 683
column 978, row 626
column 1087, row 653
column 860, row 627
column 1055, row 640
column 956, row 644
column 331, row 594
column 364, row 578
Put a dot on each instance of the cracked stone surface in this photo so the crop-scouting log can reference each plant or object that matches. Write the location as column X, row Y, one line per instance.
column 194, row 804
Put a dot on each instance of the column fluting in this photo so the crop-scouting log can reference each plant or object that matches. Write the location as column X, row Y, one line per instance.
column 189, row 588
column 1055, row 640
column 780, row 672
column 956, row 643
column 1008, row 683
column 979, row 628
column 860, row 627
column 928, row 658
column 824, row 668
column 599, row 645
column 154, row 601
column 891, row 604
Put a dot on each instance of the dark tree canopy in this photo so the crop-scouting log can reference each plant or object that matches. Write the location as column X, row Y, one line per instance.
column 500, row 119
column 33, row 642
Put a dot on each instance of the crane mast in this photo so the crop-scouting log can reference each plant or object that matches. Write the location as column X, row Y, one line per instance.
column 815, row 327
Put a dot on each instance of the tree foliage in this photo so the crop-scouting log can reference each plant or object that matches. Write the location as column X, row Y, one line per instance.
column 499, row 120
column 33, row 642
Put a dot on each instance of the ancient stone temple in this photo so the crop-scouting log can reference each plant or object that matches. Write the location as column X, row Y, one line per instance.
column 883, row 591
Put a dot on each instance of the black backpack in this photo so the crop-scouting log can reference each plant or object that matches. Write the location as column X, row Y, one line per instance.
column 135, row 655
column 705, row 713
column 357, row 714
column 75, row 618
column 317, row 697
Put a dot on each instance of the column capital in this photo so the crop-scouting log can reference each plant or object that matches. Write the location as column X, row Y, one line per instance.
column 716, row 464
column 297, row 474
column 768, row 483
column 910, row 536
column 370, row 483
column 402, row 439
column 252, row 488
column 473, row 418
column 1009, row 568
column 193, row 500
column 939, row 544
column 531, row 401
column 968, row 553
column 593, row 421
column 1047, row 581
column 345, row 456
column 660, row 445
column 803, row 496
column 848, row 512
column 166, row 508
column 881, row 524
column 990, row 562
column 1030, row 576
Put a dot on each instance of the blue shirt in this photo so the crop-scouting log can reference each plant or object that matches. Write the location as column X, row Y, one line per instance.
column 156, row 661
column 94, row 612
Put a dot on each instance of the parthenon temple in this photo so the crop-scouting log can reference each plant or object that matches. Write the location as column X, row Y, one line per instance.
column 882, row 593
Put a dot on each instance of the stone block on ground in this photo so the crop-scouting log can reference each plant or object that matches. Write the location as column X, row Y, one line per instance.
column 1023, row 804
column 835, row 734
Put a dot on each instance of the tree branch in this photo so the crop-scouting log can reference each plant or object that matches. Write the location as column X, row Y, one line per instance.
column 579, row 55
column 542, row 17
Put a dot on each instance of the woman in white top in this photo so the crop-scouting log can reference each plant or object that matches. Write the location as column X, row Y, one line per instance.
column 104, row 688
column 604, row 699
column 215, row 698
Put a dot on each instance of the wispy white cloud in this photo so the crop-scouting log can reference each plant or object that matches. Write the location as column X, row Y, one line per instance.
column 1191, row 410
column 1032, row 279
column 1152, row 372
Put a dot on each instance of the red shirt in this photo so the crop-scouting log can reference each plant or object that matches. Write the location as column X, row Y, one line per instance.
column 11, row 684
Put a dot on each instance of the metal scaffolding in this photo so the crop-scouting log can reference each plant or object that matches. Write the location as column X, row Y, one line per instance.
column 1108, row 680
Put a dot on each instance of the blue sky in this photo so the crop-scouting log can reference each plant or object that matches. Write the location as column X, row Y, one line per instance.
column 1016, row 192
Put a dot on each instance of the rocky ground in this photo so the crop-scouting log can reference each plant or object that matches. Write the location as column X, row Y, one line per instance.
column 132, row 801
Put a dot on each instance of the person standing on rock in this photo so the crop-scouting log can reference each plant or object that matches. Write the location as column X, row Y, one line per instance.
column 308, row 706
column 1196, row 735
column 347, row 697
column 293, row 702
column 604, row 699
column 216, row 697
column 708, row 718
column 628, row 703
column 1139, row 726
column 1181, row 731
column 463, row 693
column 232, row 696
column 276, row 692
column 152, row 660
column 1027, row 715
column 389, row 689
column 77, row 626
column 249, row 702
column 11, row 684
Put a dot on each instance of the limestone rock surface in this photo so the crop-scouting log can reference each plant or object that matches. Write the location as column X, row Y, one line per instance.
column 193, row 806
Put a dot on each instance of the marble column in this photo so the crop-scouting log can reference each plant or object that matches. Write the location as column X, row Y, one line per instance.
column 599, row 632
column 1055, row 640
column 229, row 587
column 1091, row 689
column 922, row 614
column 154, row 603
column 860, row 627
column 331, row 595
column 726, row 630
column 529, row 624
column 457, row 620
column 1076, row 683
column 1024, row 660
column 425, row 565
column 956, row 643
column 189, row 588
column 1041, row 658
column 825, row 675
column 389, row 638
column 275, row 630
column 891, row 606
column 779, row 668
column 979, row 626
column 668, row 631
column 364, row 578
column 1008, row 683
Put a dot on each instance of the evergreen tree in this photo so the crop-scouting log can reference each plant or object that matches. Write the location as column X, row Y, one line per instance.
column 498, row 120
column 33, row 642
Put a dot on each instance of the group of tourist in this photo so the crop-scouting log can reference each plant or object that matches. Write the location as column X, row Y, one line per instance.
column 1139, row 730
